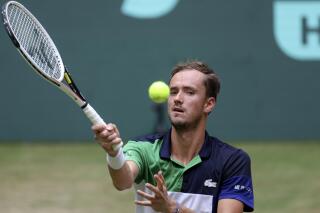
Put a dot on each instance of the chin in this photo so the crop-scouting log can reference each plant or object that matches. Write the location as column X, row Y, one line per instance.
column 179, row 123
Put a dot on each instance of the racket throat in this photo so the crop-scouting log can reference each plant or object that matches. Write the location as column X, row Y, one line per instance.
column 85, row 105
column 73, row 87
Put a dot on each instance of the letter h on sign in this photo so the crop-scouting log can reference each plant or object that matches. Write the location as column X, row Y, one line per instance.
column 307, row 30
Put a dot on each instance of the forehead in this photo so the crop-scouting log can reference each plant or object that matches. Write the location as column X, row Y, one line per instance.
column 191, row 78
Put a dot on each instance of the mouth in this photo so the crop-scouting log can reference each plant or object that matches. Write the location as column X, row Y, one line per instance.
column 177, row 109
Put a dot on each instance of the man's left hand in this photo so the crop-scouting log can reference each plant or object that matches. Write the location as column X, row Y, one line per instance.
column 159, row 201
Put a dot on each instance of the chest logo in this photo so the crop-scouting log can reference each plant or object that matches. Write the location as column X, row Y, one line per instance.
column 210, row 183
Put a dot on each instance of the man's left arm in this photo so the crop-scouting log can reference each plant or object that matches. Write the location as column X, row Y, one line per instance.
column 230, row 206
column 236, row 193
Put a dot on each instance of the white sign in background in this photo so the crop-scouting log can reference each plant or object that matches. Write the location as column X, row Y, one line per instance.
column 296, row 23
column 297, row 28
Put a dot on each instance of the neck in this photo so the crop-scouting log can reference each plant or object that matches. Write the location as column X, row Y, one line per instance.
column 186, row 144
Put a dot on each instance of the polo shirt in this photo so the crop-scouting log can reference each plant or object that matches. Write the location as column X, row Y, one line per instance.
column 218, row 171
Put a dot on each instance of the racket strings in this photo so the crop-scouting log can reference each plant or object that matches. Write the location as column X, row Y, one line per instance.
column 34, row 41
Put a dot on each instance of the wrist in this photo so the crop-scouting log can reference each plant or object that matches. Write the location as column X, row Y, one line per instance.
column 117, row 161
column 177, row 208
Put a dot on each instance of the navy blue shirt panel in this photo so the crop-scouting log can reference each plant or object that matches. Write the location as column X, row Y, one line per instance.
column 224, row 173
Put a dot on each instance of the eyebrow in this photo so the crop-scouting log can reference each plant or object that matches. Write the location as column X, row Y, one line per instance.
column 183, row 87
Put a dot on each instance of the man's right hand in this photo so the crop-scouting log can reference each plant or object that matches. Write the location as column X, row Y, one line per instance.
column 107, row 135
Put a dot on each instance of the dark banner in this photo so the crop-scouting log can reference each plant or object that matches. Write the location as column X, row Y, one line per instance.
column 267, row 54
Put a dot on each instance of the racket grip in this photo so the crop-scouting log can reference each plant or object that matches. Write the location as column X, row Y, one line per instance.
column 95, row 118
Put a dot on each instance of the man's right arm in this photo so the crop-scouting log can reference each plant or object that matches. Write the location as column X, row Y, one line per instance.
column 124, row 177
column 122, row 172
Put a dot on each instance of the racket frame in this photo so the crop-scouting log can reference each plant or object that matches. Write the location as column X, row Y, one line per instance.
column 69, row 87
column 21, row 49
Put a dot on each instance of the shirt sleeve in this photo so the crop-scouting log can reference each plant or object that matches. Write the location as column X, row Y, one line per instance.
column 237, row 180
column 133, row 152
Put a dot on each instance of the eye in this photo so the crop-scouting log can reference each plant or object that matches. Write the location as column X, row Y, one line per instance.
column 173, row 91
column 190, row 92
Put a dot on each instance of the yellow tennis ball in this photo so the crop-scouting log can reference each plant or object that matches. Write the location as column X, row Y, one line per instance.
column 159, row 92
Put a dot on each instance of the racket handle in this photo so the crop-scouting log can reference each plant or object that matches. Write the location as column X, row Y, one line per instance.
column 95, row 118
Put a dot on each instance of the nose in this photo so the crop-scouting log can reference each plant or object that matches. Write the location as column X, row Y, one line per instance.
column 178, row 98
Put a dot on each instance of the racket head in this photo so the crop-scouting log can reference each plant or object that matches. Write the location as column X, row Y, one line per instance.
column 33, row 41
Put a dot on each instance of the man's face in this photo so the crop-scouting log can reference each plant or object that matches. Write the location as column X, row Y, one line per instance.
column 187, row 103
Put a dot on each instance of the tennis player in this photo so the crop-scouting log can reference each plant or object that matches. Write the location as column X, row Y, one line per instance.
column 185, row 169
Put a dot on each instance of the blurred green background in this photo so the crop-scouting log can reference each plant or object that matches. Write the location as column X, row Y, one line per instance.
column 114, row 56
column 268, row 104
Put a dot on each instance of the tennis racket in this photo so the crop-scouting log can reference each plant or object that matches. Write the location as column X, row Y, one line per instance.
column 36, row 46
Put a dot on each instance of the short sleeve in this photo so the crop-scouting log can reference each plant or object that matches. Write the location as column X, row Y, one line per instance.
column 133, row 152
column 237, row 180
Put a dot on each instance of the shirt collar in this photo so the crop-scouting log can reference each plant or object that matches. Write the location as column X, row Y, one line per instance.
column 205, row 151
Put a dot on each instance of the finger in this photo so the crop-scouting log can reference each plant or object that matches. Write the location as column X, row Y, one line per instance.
column 154, row 189
column 145, row 195
column 102, row 133
column 116, row 141
column 106, row 146
column 143, row 202
column 160, row 173
column 105, row 143
column 159, row 182
column 112, row 136
column 161, row 177
column 164, row 186
column 115, row 128
column 105, row 134
column 98, row 127
column 110, row 127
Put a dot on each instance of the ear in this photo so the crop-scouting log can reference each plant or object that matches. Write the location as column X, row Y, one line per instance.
column 209, row 105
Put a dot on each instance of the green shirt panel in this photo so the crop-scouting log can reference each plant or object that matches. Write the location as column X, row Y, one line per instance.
column 147, row 157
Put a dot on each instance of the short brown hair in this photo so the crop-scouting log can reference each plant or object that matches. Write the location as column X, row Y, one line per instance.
column 211, row 83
